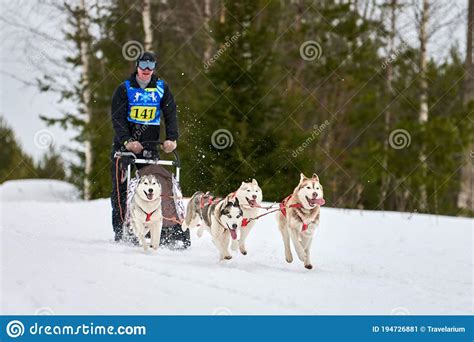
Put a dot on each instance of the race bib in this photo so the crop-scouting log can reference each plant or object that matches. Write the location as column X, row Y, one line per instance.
column 142, row 113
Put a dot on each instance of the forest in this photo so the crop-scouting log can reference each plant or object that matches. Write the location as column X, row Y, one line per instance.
column 269, row 89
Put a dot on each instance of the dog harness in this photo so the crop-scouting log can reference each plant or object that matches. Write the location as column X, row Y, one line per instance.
column 210, row 201
column 148, row 215
column 283, row 207
column 144, row 104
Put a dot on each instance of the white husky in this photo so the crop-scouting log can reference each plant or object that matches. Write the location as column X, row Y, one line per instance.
column 145, row 211
column 250, row 198
column 298, row 216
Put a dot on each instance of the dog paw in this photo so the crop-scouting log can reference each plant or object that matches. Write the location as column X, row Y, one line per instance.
column 308, row 266
column 289, row 258
column 228, row 257
column 243, row 251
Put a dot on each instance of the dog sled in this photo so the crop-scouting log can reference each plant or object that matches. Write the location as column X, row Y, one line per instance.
column 149, row 163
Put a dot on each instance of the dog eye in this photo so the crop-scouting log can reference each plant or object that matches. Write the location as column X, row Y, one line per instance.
column 248, row 190
column 239, row 216
column 308, row 187
column 229, row 216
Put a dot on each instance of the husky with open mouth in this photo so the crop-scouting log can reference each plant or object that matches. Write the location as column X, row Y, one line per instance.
column 145, row 211
column 250, row 198
column 225, row 219
column 221, row 217
column 299, row 215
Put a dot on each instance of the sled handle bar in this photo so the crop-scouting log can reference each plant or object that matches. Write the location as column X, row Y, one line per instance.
column 137, row 160
column 149, row 162
column 177, row 161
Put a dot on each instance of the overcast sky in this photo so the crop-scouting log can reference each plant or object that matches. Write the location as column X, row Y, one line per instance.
column 21, row 55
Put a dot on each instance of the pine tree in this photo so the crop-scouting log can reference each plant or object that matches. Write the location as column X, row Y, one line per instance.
column 16, row 164
column 237, row 139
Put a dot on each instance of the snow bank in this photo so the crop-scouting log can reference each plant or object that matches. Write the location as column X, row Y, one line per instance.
column 42, row 190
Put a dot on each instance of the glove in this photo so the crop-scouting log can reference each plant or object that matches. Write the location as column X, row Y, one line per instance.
column 134, row 146
column 169, row 146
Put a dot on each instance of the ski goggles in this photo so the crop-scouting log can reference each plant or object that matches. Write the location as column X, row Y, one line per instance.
column 146, row 65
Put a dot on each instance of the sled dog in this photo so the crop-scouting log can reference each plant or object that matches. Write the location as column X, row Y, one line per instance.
column 250, row 198
column 145, row 211
column 299, row 214
column 221, row 217
column 197, row 210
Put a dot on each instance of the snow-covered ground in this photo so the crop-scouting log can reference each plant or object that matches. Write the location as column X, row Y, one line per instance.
column 57, row 256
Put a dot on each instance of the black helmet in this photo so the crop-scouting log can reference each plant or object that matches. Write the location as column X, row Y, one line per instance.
column 146, row 56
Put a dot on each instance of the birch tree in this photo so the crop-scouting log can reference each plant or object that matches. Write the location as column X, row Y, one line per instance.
column 146, row 17
column 86, row 96
column 465, row 196
column 392, row 5
column 423, row 110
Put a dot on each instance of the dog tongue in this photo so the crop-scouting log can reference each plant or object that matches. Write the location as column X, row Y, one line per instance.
column 320, row 201
column 233, row 233
column 252, row 202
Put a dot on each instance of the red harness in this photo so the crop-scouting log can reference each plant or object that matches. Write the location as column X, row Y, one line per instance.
column 283, row 207
column 209, row 202
column 148, row 216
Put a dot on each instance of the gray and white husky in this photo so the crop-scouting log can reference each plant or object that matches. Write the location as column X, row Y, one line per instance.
column 221, row 217
column 145, row 211
column 299, row 215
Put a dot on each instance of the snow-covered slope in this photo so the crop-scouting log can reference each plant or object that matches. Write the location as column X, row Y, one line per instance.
column 60, row 258
column 42, row 190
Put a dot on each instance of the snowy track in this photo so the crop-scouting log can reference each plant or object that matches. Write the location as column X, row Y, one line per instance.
column 61, row 256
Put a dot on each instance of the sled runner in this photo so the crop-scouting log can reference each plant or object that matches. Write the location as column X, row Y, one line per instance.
column 149, row 163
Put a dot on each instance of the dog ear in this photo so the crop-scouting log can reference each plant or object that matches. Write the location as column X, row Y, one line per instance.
column 236, row 203
column 302, row 177
column 315, row 177
column 254, row 181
